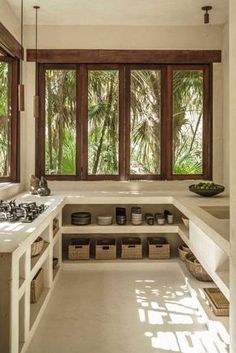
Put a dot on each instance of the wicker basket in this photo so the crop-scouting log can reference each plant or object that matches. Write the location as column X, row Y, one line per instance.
column 55, row 262
column 183, row 251
column 79, row 249
column 158, row 248
column 131, row 248
column 55, row 226
column 196, row 269
column 36, row 286
column 217, row 301
column 37, row 247
column 105, row 249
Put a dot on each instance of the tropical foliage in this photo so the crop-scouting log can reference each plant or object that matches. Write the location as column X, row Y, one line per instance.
column 60, row 124
column 4, row 119
column 187, row 122
column 103, row 122
column 145, row 122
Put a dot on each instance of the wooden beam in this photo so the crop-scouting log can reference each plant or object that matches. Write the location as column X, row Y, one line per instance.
column 125, row 56
column 9, row 44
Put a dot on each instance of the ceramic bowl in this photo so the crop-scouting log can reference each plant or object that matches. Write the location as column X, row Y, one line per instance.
column 207, row 192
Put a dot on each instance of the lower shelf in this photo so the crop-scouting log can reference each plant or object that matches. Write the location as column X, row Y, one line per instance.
column 36, row 307
column 55, row 272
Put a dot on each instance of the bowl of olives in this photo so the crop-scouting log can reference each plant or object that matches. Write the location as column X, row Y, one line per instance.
column 206, row 189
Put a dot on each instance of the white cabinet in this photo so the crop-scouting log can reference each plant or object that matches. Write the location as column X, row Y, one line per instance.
column 211, row 256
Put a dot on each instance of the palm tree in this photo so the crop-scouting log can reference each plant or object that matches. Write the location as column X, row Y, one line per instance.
column 103, row 121
column 4, row 119
column 187, row 121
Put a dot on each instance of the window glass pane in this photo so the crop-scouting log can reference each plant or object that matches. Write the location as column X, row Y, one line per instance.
column 103, row 122
column 4, row 120
column 187, row 122
column 145, row 124
column 60, row 124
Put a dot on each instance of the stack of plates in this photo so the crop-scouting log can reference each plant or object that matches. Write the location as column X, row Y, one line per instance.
column 136, row 215
column 81, row 218
column 104, row 220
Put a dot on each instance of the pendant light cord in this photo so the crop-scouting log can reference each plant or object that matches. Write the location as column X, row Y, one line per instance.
column 21, row 38
column 36, row 49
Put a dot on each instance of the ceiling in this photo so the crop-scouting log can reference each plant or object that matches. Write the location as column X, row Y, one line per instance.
column 122, row 12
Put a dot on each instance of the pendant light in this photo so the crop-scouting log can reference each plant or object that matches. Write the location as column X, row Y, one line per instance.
column 36, row 96
column 206, row 14
column 21, row 88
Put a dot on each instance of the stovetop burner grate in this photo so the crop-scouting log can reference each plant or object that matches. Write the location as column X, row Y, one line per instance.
column 24, row 212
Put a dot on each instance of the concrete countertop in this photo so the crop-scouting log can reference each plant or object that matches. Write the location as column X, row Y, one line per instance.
column 17, row 235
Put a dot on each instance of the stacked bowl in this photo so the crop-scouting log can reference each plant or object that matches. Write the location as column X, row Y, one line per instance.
column 120, row 215
column 136, row 215
column 81, row 218
column 104, row 220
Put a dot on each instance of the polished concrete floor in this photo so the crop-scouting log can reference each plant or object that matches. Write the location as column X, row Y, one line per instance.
column 123, row 308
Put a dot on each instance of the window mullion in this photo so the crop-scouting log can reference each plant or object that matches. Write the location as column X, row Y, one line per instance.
column 167, row 138
column 122, row 122
column 82, row 122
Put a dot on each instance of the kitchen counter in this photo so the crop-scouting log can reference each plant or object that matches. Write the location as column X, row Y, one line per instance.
column 207, row 237
column 15, row 235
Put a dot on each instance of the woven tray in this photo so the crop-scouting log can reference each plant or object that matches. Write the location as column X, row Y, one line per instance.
column 79, row 249
column 36, row 286
column 217, row 301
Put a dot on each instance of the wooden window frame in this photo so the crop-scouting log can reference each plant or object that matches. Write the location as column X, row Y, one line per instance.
column 130, row 68
column 124, row 121
column 14, row 124
column 12, row 52
column 121, row 154
column 40, row 123
column 207, row 122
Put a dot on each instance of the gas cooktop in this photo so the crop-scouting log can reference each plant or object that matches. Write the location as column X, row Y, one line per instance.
column 24, row 212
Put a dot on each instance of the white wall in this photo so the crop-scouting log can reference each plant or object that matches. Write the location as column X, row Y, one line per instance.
column 225, row 116
column 126, row 37
column 9, row 20
column 129, row 37
column 232, row 139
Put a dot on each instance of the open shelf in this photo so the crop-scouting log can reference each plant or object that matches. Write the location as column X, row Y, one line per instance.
column 56, row 236
column 36, row 307
column 35, row 259
column 55, row 272
column 196, row 289
column 21, row 333
column 21, row 289
column 224, row 276
column 125, row 229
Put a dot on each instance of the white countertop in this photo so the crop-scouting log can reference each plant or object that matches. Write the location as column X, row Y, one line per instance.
column 16, row 235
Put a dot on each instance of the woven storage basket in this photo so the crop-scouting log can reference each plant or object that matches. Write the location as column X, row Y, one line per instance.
column 79, row 249
column 158, row 248
column 196, row 269
column 36, row 286
column 183, row 251
column 55, row 226
column 55, row 262
column 37, row 247
column 217, row 301
column 131, row 248
column 105, row 249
